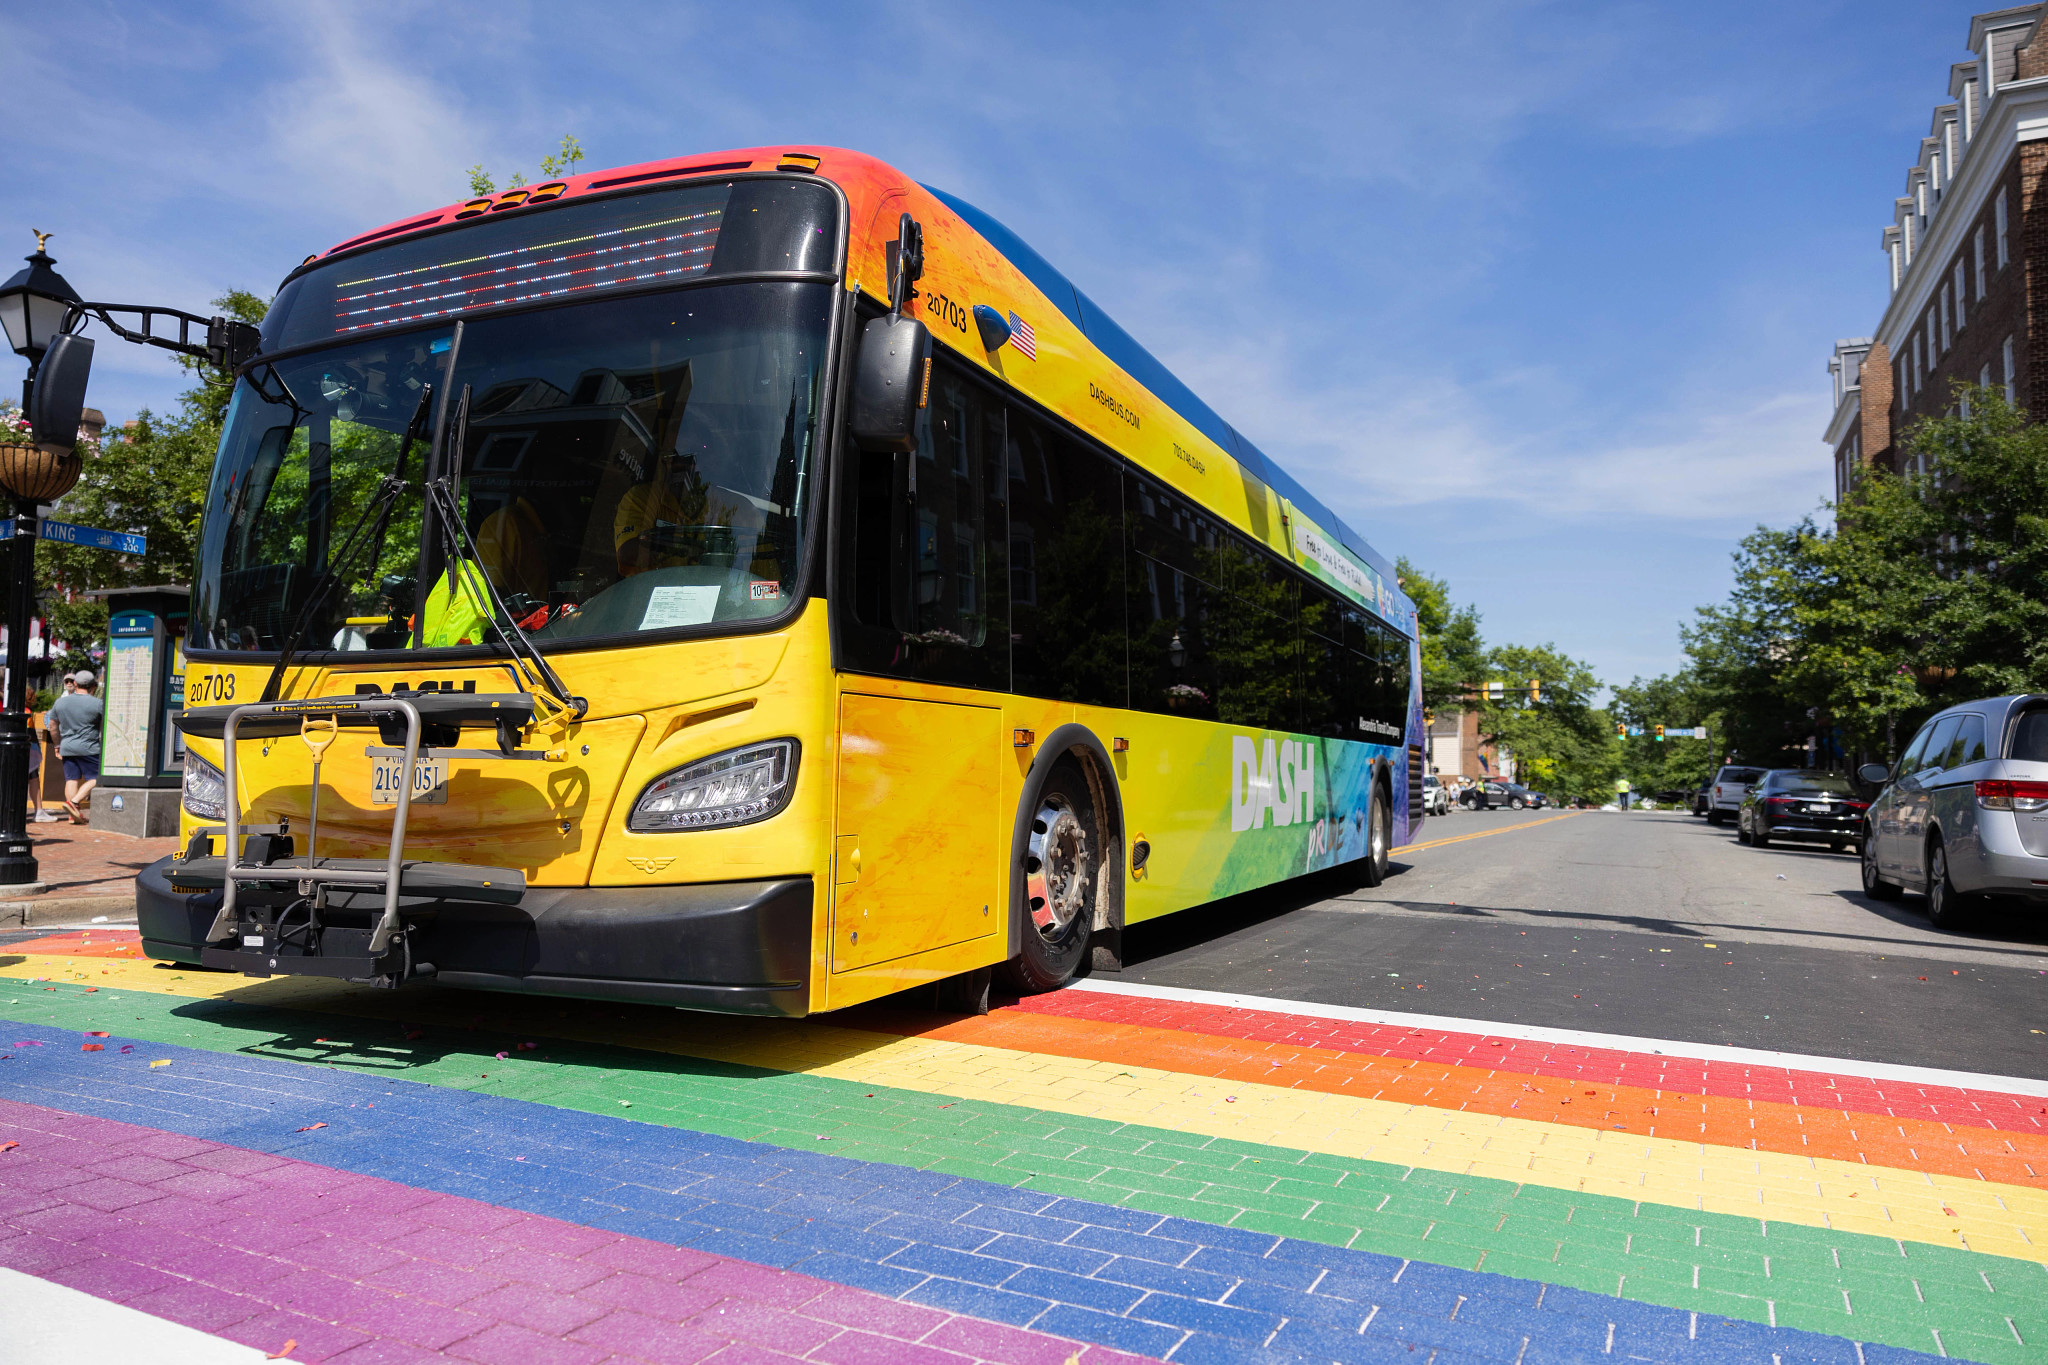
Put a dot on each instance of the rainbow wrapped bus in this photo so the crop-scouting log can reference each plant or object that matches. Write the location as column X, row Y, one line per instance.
column 752, row 582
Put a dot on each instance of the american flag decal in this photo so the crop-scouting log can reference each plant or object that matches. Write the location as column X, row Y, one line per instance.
column 1023, row 338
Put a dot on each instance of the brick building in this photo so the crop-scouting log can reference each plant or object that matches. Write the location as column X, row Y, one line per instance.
column 1455, row 749
column 1967, row 254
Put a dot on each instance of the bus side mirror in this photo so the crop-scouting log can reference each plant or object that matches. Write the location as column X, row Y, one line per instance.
column 57, row 402
column 1874, row 774
column 891, row 383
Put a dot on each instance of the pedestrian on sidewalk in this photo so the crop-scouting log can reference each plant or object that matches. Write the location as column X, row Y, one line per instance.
column 36, row 813
column 76, row 716
column 35, row 758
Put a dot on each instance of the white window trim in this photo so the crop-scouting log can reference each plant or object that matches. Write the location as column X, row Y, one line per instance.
column 1959, row 288
column 2004, row 235
column 1980, row 264
column 2011, row 379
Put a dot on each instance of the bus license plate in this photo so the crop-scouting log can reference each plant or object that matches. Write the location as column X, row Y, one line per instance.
column 429, row 781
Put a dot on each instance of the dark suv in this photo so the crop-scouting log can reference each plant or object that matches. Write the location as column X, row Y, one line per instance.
column 1798, row 803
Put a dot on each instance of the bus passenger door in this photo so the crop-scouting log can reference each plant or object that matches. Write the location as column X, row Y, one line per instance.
column 919, row 856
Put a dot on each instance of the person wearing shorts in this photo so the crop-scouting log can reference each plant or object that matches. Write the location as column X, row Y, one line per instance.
column 35, row 765
column 76, row 717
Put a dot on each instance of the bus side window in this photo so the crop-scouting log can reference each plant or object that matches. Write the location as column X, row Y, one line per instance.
column 928, row 580
column 1362, row 690
column 1398, row 676
column 1326, row 664
column 1169, row 566
column 1066, row 513
column 1255, row 636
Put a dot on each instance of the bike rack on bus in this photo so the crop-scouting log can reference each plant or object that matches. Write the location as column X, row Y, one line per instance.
column 393, row 875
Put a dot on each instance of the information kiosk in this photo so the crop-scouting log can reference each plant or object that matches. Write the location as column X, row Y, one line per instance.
column 142, row 756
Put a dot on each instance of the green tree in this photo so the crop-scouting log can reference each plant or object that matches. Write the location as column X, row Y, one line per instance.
column 150, row 479
column 1562, row 743
column 1676, row 701
column 1453, row 654
column 552, row 167
column 1930, row 588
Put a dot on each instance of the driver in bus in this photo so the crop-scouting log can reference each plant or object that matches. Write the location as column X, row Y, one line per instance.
column 645, row 513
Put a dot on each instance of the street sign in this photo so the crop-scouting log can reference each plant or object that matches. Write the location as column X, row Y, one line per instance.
column 64, row 533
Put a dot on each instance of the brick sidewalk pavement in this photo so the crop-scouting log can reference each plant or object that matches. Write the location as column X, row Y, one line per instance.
column 85, row 872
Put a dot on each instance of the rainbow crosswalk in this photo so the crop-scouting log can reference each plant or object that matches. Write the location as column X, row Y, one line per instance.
column 1104, row 1170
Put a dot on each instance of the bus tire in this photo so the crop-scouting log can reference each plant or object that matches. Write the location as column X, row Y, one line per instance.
column 1377, row 838
column 1061, row 871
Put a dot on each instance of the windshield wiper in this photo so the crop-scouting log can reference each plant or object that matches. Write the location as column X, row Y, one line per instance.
column 381, row 505
column 467, row 576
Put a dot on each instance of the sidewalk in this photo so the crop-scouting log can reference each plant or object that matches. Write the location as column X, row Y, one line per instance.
column 86, row 873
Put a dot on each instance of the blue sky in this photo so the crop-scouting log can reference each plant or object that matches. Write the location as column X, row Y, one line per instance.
column 1538, row 295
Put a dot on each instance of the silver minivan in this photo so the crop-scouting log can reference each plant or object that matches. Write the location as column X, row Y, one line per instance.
column 1964, row 814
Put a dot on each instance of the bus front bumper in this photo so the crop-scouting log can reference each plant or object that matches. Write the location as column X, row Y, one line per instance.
column 728, row 947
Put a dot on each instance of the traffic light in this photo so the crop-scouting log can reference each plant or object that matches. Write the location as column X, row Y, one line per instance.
column 1535, row 689
column 1660, row 734
column 1621, row 729
column 1493, row 691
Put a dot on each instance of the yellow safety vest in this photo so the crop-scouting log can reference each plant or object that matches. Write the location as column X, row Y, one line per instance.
column 457, row 613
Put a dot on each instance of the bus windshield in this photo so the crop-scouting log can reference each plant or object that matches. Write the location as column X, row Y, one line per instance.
column 632, row 463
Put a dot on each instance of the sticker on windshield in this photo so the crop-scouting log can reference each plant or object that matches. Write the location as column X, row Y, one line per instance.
column 680, row 606
column 764, row 591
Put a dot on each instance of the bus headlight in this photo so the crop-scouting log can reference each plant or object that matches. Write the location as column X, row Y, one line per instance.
column 205, row 789
column 736, row 787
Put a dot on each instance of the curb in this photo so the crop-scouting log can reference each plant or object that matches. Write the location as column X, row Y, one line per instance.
column 66, row 910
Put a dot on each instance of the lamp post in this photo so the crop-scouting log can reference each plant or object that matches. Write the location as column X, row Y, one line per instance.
column 33, row 308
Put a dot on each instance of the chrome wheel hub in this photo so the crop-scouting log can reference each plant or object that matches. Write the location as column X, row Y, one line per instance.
column 1057, row 868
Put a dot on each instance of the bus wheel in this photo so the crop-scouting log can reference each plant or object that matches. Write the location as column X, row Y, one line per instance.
column 1062, row 862
column 1376, row 838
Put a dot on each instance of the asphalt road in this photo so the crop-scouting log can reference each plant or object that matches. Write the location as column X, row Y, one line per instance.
column 1652, row 924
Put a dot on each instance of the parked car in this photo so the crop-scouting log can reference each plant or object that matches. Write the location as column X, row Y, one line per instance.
column 1802, row 804
column 1436, row 797
column 1515, row 796
column 1963, row 816
column 1483, row 796
column 1703, row 796
column 1730, row 785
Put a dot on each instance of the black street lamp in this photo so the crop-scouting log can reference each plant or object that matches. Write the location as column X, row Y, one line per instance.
column 34, row 306
column 42, row 316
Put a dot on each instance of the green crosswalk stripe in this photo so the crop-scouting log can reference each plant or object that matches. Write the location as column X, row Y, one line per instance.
column 1651, row 1253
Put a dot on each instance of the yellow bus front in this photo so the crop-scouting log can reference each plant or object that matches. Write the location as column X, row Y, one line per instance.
column 622, row 400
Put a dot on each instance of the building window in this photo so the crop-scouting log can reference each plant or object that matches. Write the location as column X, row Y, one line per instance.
column 1948, row 330
column 1984, row 377
column 2004, row 238
column 2011, row 379
column 1904, row 392
column 1980, row 264
column 1959, row 288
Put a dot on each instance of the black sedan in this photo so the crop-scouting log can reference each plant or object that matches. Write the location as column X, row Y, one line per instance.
column 1492, row 795
column 1798, row 803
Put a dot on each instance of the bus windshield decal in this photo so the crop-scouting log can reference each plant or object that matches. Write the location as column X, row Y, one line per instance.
column 521, row 274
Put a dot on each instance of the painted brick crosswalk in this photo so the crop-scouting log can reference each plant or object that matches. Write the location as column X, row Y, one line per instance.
column 1089, row 1172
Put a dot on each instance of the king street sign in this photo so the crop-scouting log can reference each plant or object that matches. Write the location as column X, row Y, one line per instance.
column 64, row 533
